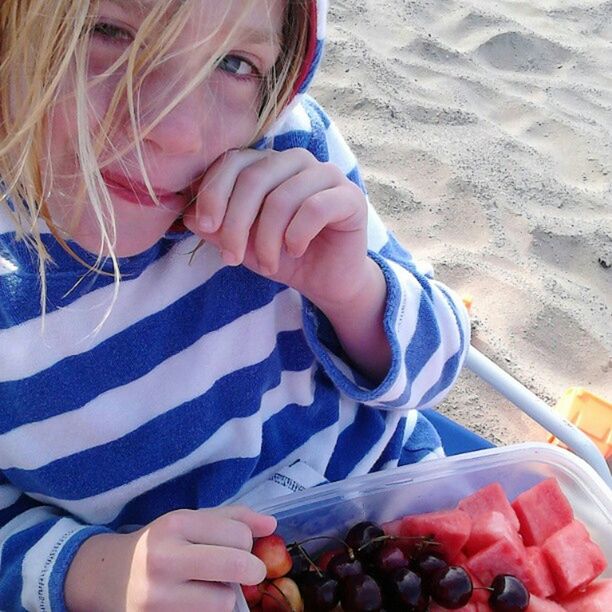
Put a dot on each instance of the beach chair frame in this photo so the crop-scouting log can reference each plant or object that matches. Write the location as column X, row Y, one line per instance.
column 539, row 411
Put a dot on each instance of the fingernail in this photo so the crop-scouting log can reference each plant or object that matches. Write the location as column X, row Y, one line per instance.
column 206, row 224
column 229, row 258
column 265, row 270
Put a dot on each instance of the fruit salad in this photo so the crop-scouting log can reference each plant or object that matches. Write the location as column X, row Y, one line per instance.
column 487, row 553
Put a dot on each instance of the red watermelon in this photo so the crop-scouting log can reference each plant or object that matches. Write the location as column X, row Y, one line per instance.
column 540, row 581
column 392, row 527
column 597, row 597
column 574, row 560
column 479, row 595
column 487, row 529
column 541, row 511
column 537, row 604
column 503, row 557
column 450, row 528
column 488, row 499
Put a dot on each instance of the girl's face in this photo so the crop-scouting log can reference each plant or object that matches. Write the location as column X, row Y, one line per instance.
column 220, row 114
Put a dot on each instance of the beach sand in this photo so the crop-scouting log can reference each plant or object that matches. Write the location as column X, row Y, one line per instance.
column 483, row 131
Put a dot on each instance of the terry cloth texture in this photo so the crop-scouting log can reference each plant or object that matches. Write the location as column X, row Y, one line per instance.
column 207, row 384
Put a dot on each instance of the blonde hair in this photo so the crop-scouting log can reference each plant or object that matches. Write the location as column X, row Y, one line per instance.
column 39, row 47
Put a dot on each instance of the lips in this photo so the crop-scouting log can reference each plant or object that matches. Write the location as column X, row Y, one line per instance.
column 136, row 192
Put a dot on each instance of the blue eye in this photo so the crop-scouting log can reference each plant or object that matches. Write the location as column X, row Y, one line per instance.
column 238, row 66
column 112, row 33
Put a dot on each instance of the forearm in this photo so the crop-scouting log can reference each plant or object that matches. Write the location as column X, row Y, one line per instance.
column 97, row 578
column 358, row 324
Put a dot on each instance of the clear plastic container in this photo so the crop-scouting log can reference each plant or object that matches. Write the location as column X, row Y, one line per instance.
column 435, row 485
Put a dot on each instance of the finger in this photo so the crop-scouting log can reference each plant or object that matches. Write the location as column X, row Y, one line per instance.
column 233, row 526
column 211, row 528
column 252, row 187
column 196, row 596
column 260, row 524
column 217, row 186
column 339, row 208
column 217, row 564
column 280, row 207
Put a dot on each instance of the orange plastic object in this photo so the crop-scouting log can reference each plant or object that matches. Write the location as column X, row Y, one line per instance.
column 590, row 413
column 468, row 300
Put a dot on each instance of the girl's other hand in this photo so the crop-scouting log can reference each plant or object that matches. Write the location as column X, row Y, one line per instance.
column 289, row 217
column 181, row 561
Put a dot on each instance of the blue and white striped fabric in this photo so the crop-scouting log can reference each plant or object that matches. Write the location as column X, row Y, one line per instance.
column 205, row 384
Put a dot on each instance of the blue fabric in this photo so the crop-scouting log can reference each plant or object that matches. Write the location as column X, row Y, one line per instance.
column 203, row 384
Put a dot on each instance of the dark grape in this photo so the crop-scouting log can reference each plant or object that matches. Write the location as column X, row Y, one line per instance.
column 360, row 538
column 509, row 594
column 360, row 594
column 342, row 565
column 427, row 566
column 451, row 587
column 404, row 592
column 320, row 592
column 388, row 559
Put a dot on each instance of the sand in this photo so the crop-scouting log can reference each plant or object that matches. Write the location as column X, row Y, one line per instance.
column 484, row 133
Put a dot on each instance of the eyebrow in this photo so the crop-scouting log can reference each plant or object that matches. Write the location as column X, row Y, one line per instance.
column 259, row 37
column 251, row 35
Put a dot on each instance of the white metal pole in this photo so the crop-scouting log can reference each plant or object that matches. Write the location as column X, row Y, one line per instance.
column 539, row 411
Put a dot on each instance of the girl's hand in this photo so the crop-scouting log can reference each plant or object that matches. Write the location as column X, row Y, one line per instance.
column 181, row 561
column 290, row 218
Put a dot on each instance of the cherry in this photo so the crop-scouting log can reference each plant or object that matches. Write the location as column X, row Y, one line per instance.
column 451, row 587
column 326, row 557
column 344, row 565
column 272, row 550
column 388, row 559
column 404, row 590
column 427, row 566
column 300, row 561
column 320, row 592
column 361, row 593
column 508, row 594
column 252, row 593
column 364, row 539
column 282, row 595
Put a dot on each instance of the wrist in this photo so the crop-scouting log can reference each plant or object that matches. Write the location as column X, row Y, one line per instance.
column 97, row 577
column 367, row 294
column 359, row 324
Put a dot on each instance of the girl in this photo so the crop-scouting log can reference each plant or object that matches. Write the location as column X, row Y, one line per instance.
column 197, row 305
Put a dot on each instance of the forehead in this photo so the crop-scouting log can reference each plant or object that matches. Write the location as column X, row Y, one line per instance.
column 263, row 15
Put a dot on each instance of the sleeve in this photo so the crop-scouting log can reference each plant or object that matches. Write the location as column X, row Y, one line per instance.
column 37, row 545
column 426, row 323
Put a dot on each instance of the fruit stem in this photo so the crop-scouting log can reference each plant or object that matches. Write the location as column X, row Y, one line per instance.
column 392, row 538
column 349, row 550
column 308, row 558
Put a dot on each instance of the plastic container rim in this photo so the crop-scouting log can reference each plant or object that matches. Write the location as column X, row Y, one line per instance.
column 439, row 468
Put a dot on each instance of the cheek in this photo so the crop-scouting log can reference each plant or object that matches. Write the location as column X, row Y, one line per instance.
column 232, row 110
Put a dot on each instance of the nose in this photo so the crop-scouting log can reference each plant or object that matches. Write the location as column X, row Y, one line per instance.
column 180, row 131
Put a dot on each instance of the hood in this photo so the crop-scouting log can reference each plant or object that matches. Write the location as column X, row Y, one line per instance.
column 316, row 41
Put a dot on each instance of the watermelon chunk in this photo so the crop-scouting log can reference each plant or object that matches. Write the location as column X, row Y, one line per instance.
column 479, row 596
column 541, row 511
column 597, row 597
column 488, row 499
column 503, row 557
column 537, row 604
column 450, row 528
column 487, row 529
column 574, row 560
column 540, row 581
column 392, row 527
